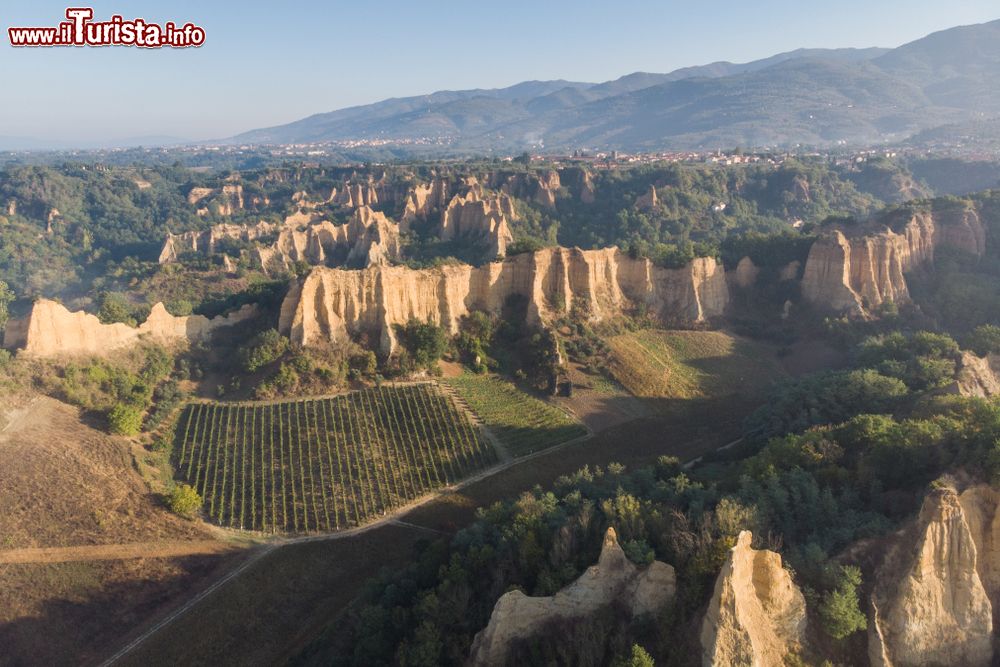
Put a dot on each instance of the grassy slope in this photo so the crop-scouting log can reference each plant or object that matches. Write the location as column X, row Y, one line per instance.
column 522, row 422
column 659, row 364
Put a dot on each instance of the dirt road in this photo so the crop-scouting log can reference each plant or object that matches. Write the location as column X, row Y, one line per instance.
column 171, row 549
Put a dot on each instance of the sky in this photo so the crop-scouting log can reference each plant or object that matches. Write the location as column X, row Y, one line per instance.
column 268, row 63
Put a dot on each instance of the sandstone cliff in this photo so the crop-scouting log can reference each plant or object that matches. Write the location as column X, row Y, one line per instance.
column 355, row 195
column 757, row 614
column 977, row 376
column 745, row 275
column 614, row 580
column 540, row 187
column 480, row 218
column 423, row 200
column 367, row 239
column 206, row 243
column 857, row 273
column 51, row 330
column 330, row 304
column 932, row 607
column 648, row 201
column 225, row 200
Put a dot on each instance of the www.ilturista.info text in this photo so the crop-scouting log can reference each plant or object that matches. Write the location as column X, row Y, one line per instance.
column 80, row 30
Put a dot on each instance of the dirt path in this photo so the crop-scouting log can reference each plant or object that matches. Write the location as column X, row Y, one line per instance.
column 171, row 549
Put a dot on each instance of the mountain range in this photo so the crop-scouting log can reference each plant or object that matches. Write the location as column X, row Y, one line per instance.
column 811, row 97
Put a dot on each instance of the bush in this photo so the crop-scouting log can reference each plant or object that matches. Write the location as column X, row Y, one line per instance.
column 184, row 500
column 125, row 419
column 839, row 611
column 984, row 340
column 423, row 341
column 264, row 349
column 637, row 658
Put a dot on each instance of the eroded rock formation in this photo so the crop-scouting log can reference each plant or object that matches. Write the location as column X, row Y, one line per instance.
column 425, row 199
column 858, row 273
column 540, row 187
column 614, row 580
column 757, row 614
column 648, row 201
column 330, row 304
column 51, row 330
column 367, row 239
column 977, row 376
column 746, row 273
column 226, row 200
column 480, row 218
column 206, row 243
column 932, row 606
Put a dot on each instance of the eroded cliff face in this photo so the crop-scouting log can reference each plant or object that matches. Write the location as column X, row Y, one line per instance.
column 540, row 187
column 932, row 607
column 757, row 614
column 614, row 580
column 977, row 376
column 206, row 243
column 223, row 201
column 424, row 199
column 648, row 201
column 480, row 218
column 52, row 330
column 856, row 274
column 367, row 239
column 331, row 304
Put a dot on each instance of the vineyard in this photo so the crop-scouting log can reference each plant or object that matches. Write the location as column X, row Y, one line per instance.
column 689, row 364
column 523, row 423
column 325, row 464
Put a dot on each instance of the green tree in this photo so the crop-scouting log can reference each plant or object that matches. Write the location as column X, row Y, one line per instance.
column 184, row 500
column 265, row 348
column 638, row 657
column 983, row 340
column 125, row 419
column 114, row 308
column 838, row 610
column 6, row 296
column 424, row 341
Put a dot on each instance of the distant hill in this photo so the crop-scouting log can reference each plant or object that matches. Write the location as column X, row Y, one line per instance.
column 815, row 97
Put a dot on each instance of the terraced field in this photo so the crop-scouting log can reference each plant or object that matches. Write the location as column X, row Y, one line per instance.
column 653, row 363
column 523, row 423
column 325, row 464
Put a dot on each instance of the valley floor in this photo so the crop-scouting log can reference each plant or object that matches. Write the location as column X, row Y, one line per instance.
column 282, row 601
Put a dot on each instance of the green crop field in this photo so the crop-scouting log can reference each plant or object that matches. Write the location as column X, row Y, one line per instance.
column 652, row 363
column 523, row 423
column 325, row 464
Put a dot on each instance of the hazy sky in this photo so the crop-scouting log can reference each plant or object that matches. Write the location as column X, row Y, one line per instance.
column 267, row 63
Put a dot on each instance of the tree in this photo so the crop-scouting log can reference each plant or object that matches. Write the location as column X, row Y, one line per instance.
column 425, row 342
column 184, row 500
column 6, row 296
column 983, row 340
column 839, row 609
column 637, row 658
column 114, row 308
column 265, row 348
column 125, row 419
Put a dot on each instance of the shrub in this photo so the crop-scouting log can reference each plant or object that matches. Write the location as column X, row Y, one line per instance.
column 425, row 342
column 984, row 340
column 638, row 657
column 264, row 349
column 838, row 610
column 125, row 419
column 184, row 500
